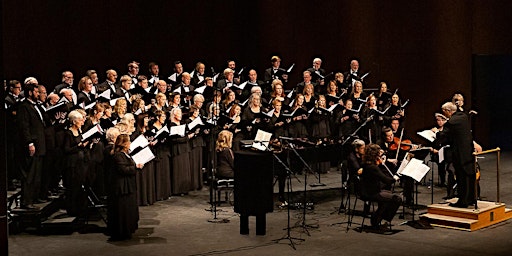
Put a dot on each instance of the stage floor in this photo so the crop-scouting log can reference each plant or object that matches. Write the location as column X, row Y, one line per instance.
column 180, row 226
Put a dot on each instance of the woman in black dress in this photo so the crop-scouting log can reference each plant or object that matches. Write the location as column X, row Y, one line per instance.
column 196, row 150
column 162, row 158
column 123, row 211
column 180, row 162
column 77, row 157
column 146, row 178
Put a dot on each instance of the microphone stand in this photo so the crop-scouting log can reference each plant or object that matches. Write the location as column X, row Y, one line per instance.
column 213, row 196
column 303, row 224
column 289, row 185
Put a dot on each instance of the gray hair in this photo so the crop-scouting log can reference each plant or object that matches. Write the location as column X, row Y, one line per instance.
column 74, row 115
column 357, row 143
column 449, row 106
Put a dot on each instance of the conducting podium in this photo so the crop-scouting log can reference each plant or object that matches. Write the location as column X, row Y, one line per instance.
column 253, row 188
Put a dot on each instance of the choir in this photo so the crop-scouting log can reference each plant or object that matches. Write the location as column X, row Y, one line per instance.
column 180, row 116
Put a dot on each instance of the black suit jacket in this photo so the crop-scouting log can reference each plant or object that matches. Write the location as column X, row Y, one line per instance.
column 270, row 75
column 31, row 127
column 82, row 98
column 457, row 134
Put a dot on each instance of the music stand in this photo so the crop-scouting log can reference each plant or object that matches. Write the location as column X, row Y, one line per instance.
column 416, row 169
column 303, row 225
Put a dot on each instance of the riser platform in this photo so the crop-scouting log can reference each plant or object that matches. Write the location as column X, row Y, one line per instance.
column 468, row 219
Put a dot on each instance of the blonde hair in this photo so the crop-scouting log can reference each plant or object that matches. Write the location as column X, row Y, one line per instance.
column 224, row 140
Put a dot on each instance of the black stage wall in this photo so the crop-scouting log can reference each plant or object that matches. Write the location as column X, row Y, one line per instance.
column 424, row 48
column 492, row 88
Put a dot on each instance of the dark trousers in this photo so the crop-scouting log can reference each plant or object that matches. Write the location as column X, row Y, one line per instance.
column 31, row 179
column 261, row 223
column 388, row 205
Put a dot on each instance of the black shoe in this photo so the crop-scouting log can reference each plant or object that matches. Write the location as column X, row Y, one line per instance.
column 458, row 205
column 30, row 207
column 40, row 201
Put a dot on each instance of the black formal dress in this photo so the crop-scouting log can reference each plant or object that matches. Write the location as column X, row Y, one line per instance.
column 180, row 162
column 123, row 212
column 75, row 174
column 162, row 168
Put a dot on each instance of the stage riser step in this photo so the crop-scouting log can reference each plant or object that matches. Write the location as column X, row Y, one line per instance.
column 488, row 214
column 497, row 213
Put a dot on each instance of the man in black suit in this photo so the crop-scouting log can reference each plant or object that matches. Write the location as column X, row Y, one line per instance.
column 353, row 74
column 133, row 71
column 154, row 72
column 175, row 78
column 67, row 82
column 317, row 75
column 457, row 134
column 306, row 76
column 110, row 84
column 228, row 81
column 185, row 89
column 12, row 101
column 32, row 139
column 276, row 72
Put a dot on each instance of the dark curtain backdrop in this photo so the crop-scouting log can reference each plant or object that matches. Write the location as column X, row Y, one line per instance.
column 423, row 48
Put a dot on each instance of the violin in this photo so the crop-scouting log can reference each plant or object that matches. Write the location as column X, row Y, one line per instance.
column 405, row 145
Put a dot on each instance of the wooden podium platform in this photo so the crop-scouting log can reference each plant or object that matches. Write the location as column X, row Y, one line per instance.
column 468, row 219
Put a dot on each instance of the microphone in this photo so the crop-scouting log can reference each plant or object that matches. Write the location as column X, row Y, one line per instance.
column 285, row 138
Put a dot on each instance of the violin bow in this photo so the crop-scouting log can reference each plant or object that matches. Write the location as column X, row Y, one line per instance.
column 399, row 142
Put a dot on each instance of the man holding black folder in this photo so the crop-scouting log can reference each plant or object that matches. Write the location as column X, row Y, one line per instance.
column 31, row 127
column 457, row 134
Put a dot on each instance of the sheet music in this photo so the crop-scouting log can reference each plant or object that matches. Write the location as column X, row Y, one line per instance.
column 113, row 102
column 173, row 77
column 90, row 105
column 270, row 113
column 415, row 169
column 290, row 69
column 242, row 86
column 178, row 130
column 262, row 140
column 215, row 78
column 105, row 94
column 95, row 129
column 332, row 107
column 290, row 94
column 52, row 107
column 139, row 142
column 441, row 153
column 197, row 121
column 200, row 89
column 428, row 134
column 143, row 156
column 164, row 129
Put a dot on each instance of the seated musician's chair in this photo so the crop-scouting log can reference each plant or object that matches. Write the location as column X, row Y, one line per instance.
column 227, row 186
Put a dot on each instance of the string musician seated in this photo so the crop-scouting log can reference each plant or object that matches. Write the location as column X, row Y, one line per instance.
column 395, row 149
column 373, row 186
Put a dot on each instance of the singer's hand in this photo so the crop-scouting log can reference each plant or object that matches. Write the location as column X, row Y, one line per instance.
column 396, row 177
